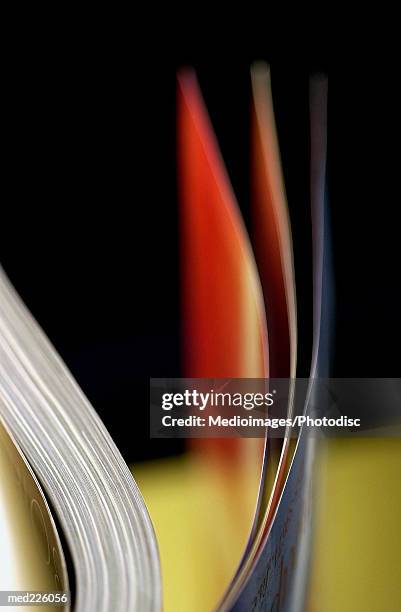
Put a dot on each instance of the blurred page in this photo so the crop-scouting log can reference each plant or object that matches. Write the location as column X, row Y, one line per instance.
column 30, row 551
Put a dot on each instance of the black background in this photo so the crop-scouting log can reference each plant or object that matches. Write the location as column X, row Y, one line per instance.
column 89, row 213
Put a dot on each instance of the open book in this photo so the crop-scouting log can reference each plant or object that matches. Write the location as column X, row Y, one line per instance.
column 76, row 495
